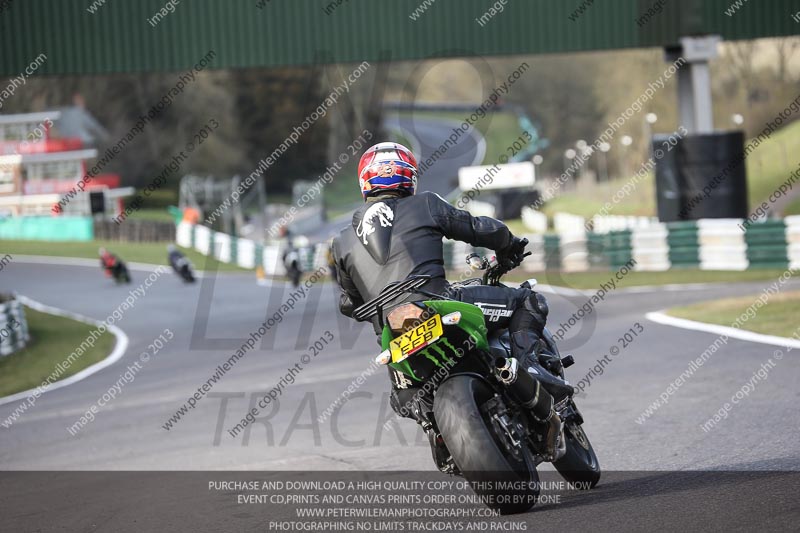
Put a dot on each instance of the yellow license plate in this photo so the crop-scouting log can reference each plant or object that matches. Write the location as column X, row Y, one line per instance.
column 416, row 339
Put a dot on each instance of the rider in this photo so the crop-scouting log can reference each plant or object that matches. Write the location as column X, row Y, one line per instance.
column 108, row 261
column 175, row 257
column 179, row 263
column 291, row 257
column 398, row 233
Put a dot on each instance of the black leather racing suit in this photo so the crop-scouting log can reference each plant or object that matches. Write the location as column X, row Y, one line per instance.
column 176, row 260
column 392, row 237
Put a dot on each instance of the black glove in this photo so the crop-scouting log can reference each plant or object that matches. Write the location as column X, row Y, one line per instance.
column 513, row 254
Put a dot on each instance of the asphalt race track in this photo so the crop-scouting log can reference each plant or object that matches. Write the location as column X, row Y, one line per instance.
column 442, row 176
column 213, row 318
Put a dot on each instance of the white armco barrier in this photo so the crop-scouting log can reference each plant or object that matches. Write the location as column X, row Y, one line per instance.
column 534, row 220
column 458, row 255
column 564, row 223
column 202, row 239
column 722, row 244
column 574, row 254
column 793, row 240
column 650, row 249
column 480, row 209
column 606, row 223
column 183, row 235
column 246, row 253
column 272, row 261
column 320, row 255
column 222, row 247
column 536, row 261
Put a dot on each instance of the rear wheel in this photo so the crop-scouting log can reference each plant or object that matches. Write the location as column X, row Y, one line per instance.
column 294, row 275
column 579, row 465
column 506, row 480
column 122, row 275
column 187, row 275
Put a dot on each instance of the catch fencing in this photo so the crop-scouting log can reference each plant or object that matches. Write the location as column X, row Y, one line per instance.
column 135, row 231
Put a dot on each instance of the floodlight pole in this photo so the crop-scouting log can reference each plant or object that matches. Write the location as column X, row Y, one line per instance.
column 694, row 81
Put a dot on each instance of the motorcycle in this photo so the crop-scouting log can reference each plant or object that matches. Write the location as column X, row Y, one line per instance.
column 483, row 420
column 119, row 271
column 183, row 267
column 292, row 262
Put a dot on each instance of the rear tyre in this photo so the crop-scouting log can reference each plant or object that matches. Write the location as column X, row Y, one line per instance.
column 579, row 465
column 122, row 275
column 187, row 275
column 478, row 451
column 294, row 276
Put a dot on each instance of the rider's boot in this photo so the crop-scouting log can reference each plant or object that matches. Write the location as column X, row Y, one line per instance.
column 527, row 330
column 524, row 349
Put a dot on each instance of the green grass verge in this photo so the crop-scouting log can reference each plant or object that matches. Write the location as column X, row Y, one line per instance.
column 768, row 166
column 772, row 162
column 793, row 208
column 155, row 215
column 146, row 252
column 517, row 227
column 777, row 317
column 499, row 132
column 342, row 194
column 593, row 280
column 591, row 199
column 53, row 338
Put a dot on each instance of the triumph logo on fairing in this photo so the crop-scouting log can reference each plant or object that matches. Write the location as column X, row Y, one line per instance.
column 366, row 227
column 495, row 311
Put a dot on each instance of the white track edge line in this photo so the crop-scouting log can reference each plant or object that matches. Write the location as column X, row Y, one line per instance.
column 116, row 354
column 660, row 317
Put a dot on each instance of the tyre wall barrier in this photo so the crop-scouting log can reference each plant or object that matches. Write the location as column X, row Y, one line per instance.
column 14, row 334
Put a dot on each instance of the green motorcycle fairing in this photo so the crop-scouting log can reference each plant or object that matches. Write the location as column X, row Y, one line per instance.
column 442, row 352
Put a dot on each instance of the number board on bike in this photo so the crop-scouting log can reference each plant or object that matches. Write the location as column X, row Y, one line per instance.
column 416, row 339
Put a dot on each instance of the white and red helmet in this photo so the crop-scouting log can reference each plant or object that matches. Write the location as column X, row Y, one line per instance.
column 387, row 166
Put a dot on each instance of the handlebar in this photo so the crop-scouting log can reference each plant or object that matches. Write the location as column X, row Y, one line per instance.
column 494, row 269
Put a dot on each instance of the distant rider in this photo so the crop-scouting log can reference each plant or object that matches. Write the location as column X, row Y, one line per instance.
column 108, row 261
column 179, row 263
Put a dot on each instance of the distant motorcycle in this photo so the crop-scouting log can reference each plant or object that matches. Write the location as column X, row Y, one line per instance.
column 120, row 273
column 114, row 267
column 291, row 260
column 184, row 270
column 180, row 264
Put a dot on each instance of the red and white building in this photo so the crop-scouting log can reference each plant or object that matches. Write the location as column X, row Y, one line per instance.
column 37, row 170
